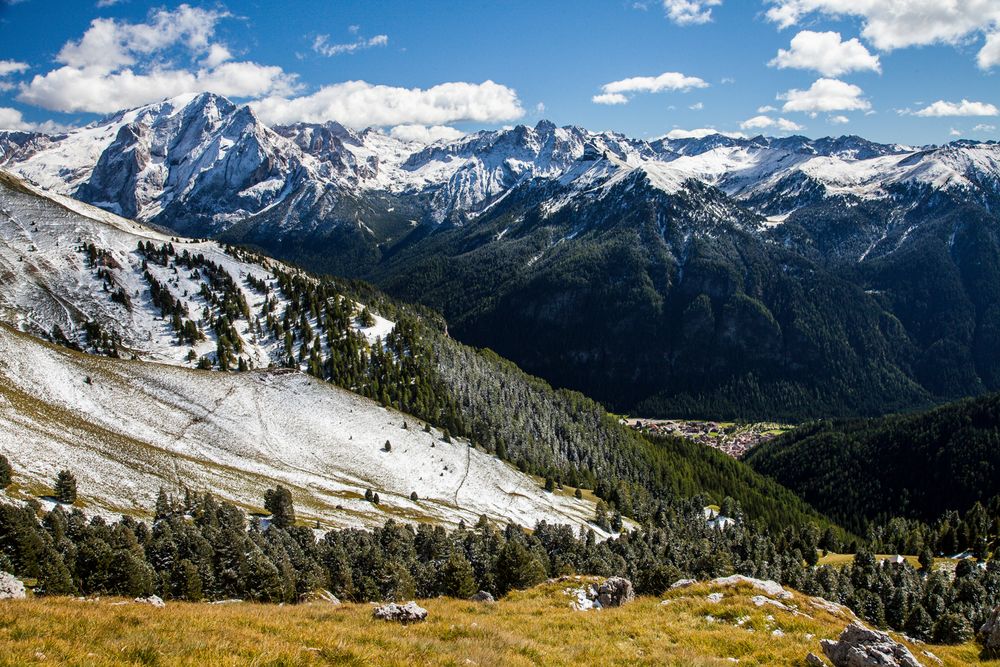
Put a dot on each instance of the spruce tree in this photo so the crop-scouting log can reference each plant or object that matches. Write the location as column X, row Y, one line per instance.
column 5, row 472
column 65, row 487
column 278, row 501
column 457, row 577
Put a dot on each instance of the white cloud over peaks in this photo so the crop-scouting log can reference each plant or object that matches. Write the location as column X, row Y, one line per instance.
column 322, row 46
column 115, row 65
column 614, row 92
column 700, row 133
column 764, row 122
column 825, row 95
column 984, row 127
column 963, row 108
column 839, row 120
column 362, row 104
column 13, row 120
column 426, row 135
column 690, row 12
column 609, row 98
column 894, row 24
column 826, row 53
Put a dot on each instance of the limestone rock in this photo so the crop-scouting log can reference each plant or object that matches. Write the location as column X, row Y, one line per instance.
column 11, row 587
column 410, row 612
column 989, row 634
column 767, row 586
column 482, row 596
column 152, row 601
column 859, row 646
column 814, row 660
column 682, row 583
column 615, row 592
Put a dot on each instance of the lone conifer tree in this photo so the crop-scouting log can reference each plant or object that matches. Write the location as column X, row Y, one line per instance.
column 278, row 502
column 66, row 487
column 5, row 472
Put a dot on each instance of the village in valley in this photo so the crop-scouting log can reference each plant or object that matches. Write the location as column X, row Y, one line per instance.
column 729, row 437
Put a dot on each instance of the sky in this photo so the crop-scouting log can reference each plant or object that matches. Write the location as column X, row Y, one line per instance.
column 906, row 71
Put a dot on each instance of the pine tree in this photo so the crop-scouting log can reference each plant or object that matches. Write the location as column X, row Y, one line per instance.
column 517, row 567
column 369, row 496
column 278, row 501
column 387, row 446
column 578, row 494
column 457, row 577
column 414, row 497
column 5, row 472
column 65, row 487
column 550, row 484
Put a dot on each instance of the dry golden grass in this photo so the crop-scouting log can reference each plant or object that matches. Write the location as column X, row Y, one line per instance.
column 526, row 628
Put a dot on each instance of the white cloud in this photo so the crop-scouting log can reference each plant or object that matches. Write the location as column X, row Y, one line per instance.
column 839, row 120
column 767, row 108
column 762, row 122
column 614, row 92
column 825, row 95
column 989, row 55
column 13, row 120
column 540, row 108
column 826, row 53
column 963, row 108
column 322, row 46
column 12, row 67
column 102, row 71
column 362, row 104
column 984, row 127
column 426, row 135
column 690, row 12
column 894, row 24
column 699, row 133
column 70, row 89
column 954, row 133
column 609, row 98
column 697, row 106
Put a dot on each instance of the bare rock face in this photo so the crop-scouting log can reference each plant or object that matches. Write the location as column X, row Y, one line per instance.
column 615, row 592
column 859, row 646
column 814, row 660
column 11, row 587
column 989, row 634
column 410, row 612
column 482, row 596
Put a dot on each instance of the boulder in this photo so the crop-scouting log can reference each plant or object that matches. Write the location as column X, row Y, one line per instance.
column 320, row 596
column 682, row 583
column 772, row 588
column 814, row 660
column 11, row 587
column 989, row 635
column 410, row 612
column 615, row 592
column 859, row 646
column 152, row 601
column 482, row 596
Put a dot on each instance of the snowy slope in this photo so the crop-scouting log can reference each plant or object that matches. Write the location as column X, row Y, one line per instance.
column 46, row 281
column 127, row 428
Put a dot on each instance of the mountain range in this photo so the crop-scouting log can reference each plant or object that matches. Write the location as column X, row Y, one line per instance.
column 718, row 276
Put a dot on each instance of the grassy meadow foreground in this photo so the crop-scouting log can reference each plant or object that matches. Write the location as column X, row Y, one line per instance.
column 531, row 627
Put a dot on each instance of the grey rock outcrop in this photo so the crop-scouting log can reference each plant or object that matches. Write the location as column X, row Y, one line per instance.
column 989, row 634
column 482, row 596
column 615, row 592
column 410, row 612
column 152, row 601
column 11, row 587
column 859, row 646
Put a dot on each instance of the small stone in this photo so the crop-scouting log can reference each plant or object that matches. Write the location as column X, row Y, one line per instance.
column 715, row 597
column 814, row 660
column 152, row 601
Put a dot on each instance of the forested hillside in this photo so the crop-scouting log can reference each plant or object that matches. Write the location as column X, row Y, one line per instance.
column 916, row 466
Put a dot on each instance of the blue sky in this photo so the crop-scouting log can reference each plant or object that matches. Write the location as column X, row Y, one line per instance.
column 907, row 71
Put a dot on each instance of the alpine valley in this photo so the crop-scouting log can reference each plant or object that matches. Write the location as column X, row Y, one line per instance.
column 719, row 277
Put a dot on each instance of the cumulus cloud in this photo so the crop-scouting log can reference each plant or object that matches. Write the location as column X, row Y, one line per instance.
column 767, row 108
column 894, row 24
column 13, row 120
column 963, row 108
column 362, row 104
column 424, row 134
column 697, row 106
column 825, row 95
column 614, row 92
column 839, row 120
column 101, row 72
column 766, row 122
column 699, row 133
column 322, row 46
column 12, row 67
column 826, row 53
column 690, row 12
column 609, row 98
